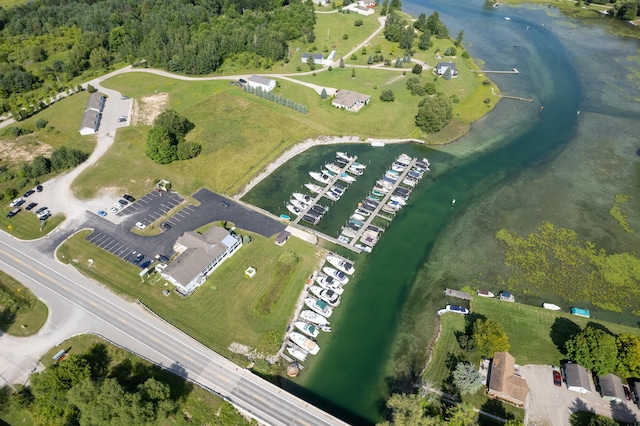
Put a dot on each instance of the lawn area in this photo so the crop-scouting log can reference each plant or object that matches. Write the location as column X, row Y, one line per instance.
column 223, row 310
column 31, row 315
column 25, row 225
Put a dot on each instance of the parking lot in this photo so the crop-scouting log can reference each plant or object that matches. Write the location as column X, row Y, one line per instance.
column 151, row 207
column 550, row 405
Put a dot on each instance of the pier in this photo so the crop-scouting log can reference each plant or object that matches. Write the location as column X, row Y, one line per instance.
column 513, row 71
column 517, row 98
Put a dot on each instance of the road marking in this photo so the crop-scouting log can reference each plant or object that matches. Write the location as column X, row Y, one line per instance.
column 92, row 303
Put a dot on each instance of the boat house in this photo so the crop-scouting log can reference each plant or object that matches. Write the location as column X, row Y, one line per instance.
column 504, row 381
column 611, row 388
column 92, row 114
column 577, row 378
column 258, row 82
column 442, row 68
column 351, row 101
column 199, row 255
column 506, row 296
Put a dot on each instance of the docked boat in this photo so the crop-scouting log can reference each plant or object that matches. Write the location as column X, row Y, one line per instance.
column 329, row 284
column 285, row 217
column 303, row 198
column 329, row 296
column 356, row 172
column 334, row 273
column 333, row 167
column 318, row 306
column 349, row 232
column 337, row 191
column 398, row 167
column 311, row 219
column 298, row 353
column 356, row 222
column 363, row 247
column 341, row 264
column 331, row 195
column 293, row 209
column 344, row 239
column 314, row 318
column 398, row 200
column 362, row 212
column 346, row 178
column 306, row 328
column 326, row 328
column 357, row 217
column 377, row 193
column 314, row 188
column 344, row 156
column 485, row 293
column 298, row 204
column 551, row 306
column 409, row 181
column 359, row 166
column 320, row 177
column 304, row 342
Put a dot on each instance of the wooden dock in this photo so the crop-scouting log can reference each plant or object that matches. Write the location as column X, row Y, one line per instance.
column 513, row 71
column 517, row 98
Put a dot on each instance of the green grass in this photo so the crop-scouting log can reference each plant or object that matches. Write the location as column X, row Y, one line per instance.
column 25, row 322
column 25, row 225
column 220, row 312
column 438, row 372
column 10, row 3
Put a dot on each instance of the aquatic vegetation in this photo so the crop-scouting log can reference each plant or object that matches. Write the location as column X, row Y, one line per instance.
column 618, row 214
column 553, row 261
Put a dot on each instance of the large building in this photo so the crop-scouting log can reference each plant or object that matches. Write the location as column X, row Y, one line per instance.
column 504, row 383
column 199, row 255
column 92, row 114
column 351, row 101
column 265, row 84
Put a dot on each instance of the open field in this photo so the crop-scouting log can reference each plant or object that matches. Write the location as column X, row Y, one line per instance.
column 26, row 321
column 25, row 225
column 220, row 312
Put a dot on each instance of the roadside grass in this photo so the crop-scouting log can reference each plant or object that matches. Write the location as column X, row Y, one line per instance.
column 25, row 225
column 284, row 270
column 27, row 321
column 220, row 312
column 10, row 3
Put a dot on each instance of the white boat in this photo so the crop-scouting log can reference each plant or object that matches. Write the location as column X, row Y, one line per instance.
column 314, row 318
column 326, row 328
column 362, row 212
column 319, row 306
column 329, row 296
column 334, row 168
column 320, row 177
column 302, row 197
column 551, row 306
column 398, row 200
column 485, row 293
column 346, row 178
column 341, row 264
column 398, row 167
column 348, row 232
column 337, row 191
column 356, row 172
column 293, row 209
column 298, row 204
column 314, row 188
column 359, row 166
column 306, row 328
column 363, row 247
column 334, row 273
column 344, row 155
column 409, row 181
column 304, row 342
column 343, row 238
column 357, row 216
column 297, row 353
column 329, row 284
column 506, row 18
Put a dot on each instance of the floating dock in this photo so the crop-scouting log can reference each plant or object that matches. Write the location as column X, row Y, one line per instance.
column 513, row 71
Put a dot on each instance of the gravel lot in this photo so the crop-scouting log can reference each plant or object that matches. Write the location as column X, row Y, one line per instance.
column 550, row 405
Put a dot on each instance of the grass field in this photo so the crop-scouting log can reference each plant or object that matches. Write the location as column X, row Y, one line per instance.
column 220, row 312
column 28, row 321
column 25, row 225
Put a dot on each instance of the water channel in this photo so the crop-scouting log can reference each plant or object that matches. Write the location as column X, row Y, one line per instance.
column 516, row 168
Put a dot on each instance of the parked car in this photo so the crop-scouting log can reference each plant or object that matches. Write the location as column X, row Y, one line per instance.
column 457, row 309
column 557, row 378
column 102, row 213
column 140, row 225
column 129, row 198
column 164, row 226
column 225, row 204
column 122, row 118
column 627, row 393
column 117, row 206
column 242, row 81
column 163, row 259
column 145, row 264
column 41, row 209
column 28, row 193
column 16, row 203
column 43, row 214
column 39, row 188
column 13, row 212
column 124, row 98
column 30, row 206
column 138, row 259
column 123, row 202
column 113, row 209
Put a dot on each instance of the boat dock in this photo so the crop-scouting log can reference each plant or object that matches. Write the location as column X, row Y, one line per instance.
column 376, row 212
column 517, row 98
column 513, row 71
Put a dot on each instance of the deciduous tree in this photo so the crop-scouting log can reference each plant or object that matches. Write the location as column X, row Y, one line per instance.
column 387, row 96
column 594, row 349
column 628, row 354
column 489, row 337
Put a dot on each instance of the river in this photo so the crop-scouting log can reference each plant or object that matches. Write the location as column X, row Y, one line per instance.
column 516, row 168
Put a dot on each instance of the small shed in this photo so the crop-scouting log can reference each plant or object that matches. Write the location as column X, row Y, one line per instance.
column 577, row 378
column 506, row 296
column 611, row 388
column 282, row 238
column 258, row 82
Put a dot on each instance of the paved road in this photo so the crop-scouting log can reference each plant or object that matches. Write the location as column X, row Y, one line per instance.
column 79, row 305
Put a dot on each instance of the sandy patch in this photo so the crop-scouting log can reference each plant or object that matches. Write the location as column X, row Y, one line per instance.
column 146, row 109
column 23, row 149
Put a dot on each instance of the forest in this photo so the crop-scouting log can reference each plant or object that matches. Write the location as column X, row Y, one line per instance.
column 45, row 44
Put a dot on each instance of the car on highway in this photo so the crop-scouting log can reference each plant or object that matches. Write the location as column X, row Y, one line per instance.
column 141, row 225
column 129, row 198
column 28, row 193
column 13, row 212
column 557, row 378
column 30, row 206
column 17, row 202
column 102, row 213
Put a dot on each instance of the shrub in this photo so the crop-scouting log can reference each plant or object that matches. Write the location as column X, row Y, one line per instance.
column 487, row 101
column 387, row 96
column 298, row 68
column 486, row 82
column 358, row 22
column 345, row 36
column 330, row 68
column 41, row 123
column 417, row 69
column 91, row 89
column 465, row 55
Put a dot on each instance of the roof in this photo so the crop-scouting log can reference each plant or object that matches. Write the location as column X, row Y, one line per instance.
column 90, row 119
column 95, row 101
column 260, row 80
column 611, row 386
column 349, row 98
column 313, row 55
column 577, row 376
column 505, row 294
column 282, row 237
column 503, row 378
column 450, row 65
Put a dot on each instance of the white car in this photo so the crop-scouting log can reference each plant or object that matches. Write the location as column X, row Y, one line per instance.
column 16, row 202
column 117, row 206
column 113, row 209
column 140, row 225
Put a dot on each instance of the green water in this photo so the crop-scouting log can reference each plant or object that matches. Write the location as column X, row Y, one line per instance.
column 516, row 168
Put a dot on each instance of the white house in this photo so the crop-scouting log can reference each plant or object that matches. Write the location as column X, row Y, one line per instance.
column 351, row 101
column 199, row 255
column 442, row 68
column 92, row 114
column 318, row 58
column 360, row 9
column 577, row 378
column 266, row 84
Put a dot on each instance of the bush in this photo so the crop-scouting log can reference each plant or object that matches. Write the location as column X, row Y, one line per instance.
column 41, row 124
column 455, row 99
column 91, row 89
column 487, row 101
column 358, row 22
column 330, row 68
column 486, row 82
column 387, row 96
column 345, row 36
column 465, row 55
column 417, row 69
column 298, row 68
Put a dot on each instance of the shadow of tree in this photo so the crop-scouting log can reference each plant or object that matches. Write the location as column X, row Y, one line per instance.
column 469, row 320
column 562, row 330
column 581, row 413
column 131, row 375
column 622, row 413
column 598, row 326
column 7, row 318
column 99, row 359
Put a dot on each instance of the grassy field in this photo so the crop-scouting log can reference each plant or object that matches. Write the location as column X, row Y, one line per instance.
column 25, row 225
column 26, row 321
column 220, row 312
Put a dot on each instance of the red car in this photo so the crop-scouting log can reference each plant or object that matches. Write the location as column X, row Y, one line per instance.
column 557, row 378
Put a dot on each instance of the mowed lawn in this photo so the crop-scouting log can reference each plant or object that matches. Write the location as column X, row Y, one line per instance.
column 25, row 322
column 223, row 310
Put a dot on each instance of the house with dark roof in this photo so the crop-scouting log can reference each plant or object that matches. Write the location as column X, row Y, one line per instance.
column 199, row 255
column 258, row 82
column 282, row 238
column 504, row 382
column 577, row 378
column 442, row 68
column 351, row 101
column 611, row 388
column 92, row 114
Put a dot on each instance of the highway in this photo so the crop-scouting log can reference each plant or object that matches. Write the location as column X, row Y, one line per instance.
column 79, row 305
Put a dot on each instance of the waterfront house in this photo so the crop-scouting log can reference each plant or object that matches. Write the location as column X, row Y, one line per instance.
column 442, row 68
column 577, row 378
column 611, row 388
column 258, row 82
column 505, row 382
column 199, row 255
column 92, row 114
column 351, row 101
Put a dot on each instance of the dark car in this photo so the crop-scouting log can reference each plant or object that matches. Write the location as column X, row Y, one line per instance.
column 225, row 204
column 557, row 378
column 12, row 213
column 242, row 81
column 39, row 188
column 145, row 264
column 28, row 193
column 123, row 202
column 627, row 393
column 30, row 206
column 19, row 203
column 163, row 259
column 164, row 226
column 129, row 198
column 138, row 259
